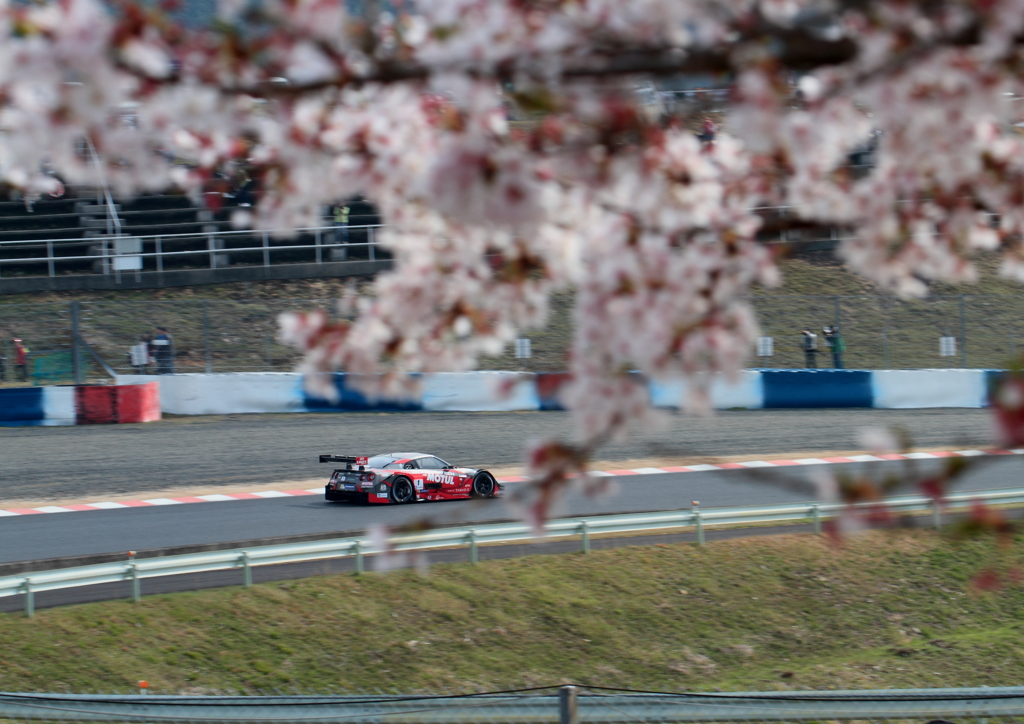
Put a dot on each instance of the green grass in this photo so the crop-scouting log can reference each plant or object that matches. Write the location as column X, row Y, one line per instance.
column 879, row 332
column 885, row 610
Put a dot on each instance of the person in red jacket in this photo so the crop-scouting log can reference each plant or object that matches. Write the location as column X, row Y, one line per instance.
column 21, row 360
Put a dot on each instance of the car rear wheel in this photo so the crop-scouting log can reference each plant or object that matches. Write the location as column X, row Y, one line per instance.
column 483, row 486
column 402, row 491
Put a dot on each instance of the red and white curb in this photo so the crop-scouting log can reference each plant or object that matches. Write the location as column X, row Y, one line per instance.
column 221, row 497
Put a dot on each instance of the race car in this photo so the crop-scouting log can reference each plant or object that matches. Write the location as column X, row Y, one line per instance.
column 405, row 478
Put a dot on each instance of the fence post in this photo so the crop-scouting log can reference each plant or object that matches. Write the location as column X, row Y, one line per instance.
column 963, row 335
column 266, row 249
column 373, row 247
column 206, row 336
column 30, row 598
column 49, row 257
column 159, row 255
column 695, row 507
column 585, row 535
column 568, row 712
column 76, row 347
column 816, row 512
column 246, row 570
column 936, row 514
column 474, row 554
column 319, row 251
column 885, row 335
column 360, row 568
column 213, row 256
column 136, row 585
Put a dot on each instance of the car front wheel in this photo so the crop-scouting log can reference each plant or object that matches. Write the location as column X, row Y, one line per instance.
column 483, row 486
column 402, row 491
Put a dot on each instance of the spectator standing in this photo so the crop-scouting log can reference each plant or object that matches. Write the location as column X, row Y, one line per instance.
column 810, row 345
column 835, row 344
column 707, row 131
column 163, row 352
column 21, row 360
column 140, row 356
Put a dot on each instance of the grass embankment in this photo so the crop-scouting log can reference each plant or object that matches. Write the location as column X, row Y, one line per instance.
column 887, row 610
column 880, row 332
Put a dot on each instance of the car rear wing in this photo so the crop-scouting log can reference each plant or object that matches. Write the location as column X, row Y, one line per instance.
column 344, row 459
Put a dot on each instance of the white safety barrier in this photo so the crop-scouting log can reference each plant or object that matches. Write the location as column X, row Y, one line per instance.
column 909, row 389
column 500, row 391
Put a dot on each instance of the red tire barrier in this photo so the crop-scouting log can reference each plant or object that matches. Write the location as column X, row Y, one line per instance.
column 112, row 404
column 138, row 403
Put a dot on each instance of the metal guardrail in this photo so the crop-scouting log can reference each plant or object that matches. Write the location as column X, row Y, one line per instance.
column 48, row 249
column 471, row 537
column 586, row 706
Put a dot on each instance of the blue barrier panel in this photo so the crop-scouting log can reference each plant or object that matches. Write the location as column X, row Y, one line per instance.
column 817, row 388
column 350, row 400
column 22, row 406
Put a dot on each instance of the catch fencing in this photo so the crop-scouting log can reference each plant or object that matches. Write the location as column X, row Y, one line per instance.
column 565, row 705
column 472, row 537
column 227, row 335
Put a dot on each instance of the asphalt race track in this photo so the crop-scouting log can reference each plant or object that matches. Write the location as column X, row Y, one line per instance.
column 90, row 462
column 107, row 531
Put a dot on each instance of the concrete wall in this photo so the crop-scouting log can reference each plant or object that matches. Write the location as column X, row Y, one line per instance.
column 222, row 394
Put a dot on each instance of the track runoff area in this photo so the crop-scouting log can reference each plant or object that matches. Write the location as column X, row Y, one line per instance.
column 105, row 527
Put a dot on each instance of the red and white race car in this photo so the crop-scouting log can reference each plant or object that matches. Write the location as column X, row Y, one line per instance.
column 405, row 478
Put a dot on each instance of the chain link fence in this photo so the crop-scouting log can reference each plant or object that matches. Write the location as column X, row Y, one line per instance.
column 879, row 332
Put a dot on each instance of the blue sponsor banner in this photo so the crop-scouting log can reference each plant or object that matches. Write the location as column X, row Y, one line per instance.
column 351, row 400
column 817, row 388
column 22, row 406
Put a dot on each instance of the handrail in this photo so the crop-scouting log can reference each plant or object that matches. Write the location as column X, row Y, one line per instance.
column 135, row 570
column 207, row 252
column 596, row 706
column 230, row 232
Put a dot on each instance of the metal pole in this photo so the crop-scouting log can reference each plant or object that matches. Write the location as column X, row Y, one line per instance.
column 159, row 255
column 360, row 567
column 213, row 257
column 963, row 335
column 585, row 534
column 30, row 599
column 76, row 348
column 319, row 251
column 568, row 712
column 373, row 245
column 474, row 556
column 136, row 586
column 266, row 250
column 206, row 336
column 695, row 507
column 885, row 334
column 817, row 519
column 246, row 570
column 49, row 257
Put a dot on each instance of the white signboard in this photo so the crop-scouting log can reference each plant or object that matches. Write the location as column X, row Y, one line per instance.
column 947, row 346
column 125, row 249
column 522, row 348
column 765, row 346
